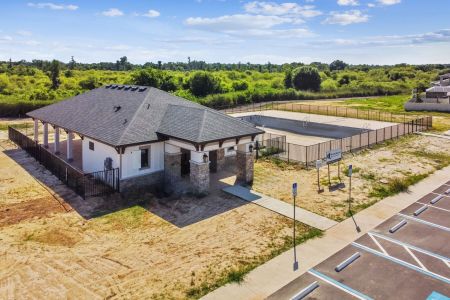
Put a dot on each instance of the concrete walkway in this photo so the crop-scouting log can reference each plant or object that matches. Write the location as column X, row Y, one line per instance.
column 271, row 276
column 281, row 207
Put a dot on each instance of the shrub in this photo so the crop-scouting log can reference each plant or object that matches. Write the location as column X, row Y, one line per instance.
column 90, row 83
column 240, row 85
column 203, row 83
column 306, row 78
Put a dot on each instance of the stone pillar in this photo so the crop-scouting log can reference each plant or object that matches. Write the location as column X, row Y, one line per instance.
column 69, row 146
column 172, row 167
column 199, row 172
column 220, row 159
column 244, row 163
column 56, row 144
column 46, row 135
column 36, row 130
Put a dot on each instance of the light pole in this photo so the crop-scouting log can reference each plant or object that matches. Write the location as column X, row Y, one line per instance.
column 294, row 194
column 350, row 171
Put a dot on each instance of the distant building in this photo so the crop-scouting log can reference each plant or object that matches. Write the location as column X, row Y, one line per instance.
column 437, row 97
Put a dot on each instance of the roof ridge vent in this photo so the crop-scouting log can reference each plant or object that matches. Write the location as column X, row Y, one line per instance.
column 127, row 87
column 108, row 86
column 120, row 87
column 114, row 86
column 117, row 108
column 142, row 89
column 134, row 88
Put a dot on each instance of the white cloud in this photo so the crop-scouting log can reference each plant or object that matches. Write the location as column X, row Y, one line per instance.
column 24, row 33
column 282, row 9
column 348, row 2
column 346, row 17
column 112, row 12
column 389, row 2
column 371, row 5
column 53, row 6
column 237, row 22
column 152, row 13
column 6, row 38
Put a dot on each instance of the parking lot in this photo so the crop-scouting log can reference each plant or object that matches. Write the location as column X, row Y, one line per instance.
column 406, row 257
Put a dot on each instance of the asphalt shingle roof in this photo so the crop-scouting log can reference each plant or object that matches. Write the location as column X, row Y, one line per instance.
column 120, row 117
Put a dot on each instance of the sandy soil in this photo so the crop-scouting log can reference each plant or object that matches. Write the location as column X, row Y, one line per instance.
column 159, row 249
column 412, row 155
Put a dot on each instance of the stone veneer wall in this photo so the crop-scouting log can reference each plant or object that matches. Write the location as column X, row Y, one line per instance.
column 220, row 159
column 172, row 171
column 244, row 166
column 200, row 177
column 143, row 183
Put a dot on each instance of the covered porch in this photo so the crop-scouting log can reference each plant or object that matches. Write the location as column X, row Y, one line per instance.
column 60, row 142
column 212, row 166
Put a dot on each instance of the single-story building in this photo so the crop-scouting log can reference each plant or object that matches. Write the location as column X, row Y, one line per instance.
column 151, row 136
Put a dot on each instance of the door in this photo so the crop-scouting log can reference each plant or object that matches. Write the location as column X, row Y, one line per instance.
column 213, row 161
column 185, row 164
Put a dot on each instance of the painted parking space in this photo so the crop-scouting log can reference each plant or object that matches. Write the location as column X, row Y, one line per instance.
column 405, row 257
column 325, row 290
column 436, row 200
column 429, row 213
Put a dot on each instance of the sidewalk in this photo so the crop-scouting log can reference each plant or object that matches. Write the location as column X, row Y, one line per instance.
column 281, row 207
column 271, row 276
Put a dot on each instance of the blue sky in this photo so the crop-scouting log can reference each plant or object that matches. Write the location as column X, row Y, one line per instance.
column 356, row 31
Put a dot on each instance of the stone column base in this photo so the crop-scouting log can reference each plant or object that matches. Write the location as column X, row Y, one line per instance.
column 172, row 171
column 244, row 166
column 200, row 177
column 220, row 159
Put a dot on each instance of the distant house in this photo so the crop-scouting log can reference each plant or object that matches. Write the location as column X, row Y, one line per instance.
column 152, row 136
column 437, row 97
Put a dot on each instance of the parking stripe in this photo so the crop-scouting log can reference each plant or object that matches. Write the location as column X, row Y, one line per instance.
column 403, row 263
column 435, row 207
column 415, row 258
column 377, row 243
column 339, row 285
column 429, row 253
column 425, row 222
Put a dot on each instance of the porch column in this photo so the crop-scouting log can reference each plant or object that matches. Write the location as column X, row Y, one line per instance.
column 45, row 135
column 69, row 146
column 200, row 171
column 172, row 167
column 220, row 159
column 36, row 130
column 244, row 163
column 56, row 144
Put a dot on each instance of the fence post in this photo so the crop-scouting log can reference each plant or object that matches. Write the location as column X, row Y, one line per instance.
column 306, row 156
column 288, row 150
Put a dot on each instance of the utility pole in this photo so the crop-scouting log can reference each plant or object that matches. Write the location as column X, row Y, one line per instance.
column 294, row 194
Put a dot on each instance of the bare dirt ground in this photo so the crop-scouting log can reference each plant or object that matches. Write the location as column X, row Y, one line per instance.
column 377, row 173
column 51, row 246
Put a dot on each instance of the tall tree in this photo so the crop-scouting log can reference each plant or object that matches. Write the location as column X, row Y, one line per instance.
column 337, row 65
column 306, row 78
column 54, row 74
column 72, row 63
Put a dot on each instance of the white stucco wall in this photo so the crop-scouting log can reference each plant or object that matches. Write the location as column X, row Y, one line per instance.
column 131, row 160
column 93, row 161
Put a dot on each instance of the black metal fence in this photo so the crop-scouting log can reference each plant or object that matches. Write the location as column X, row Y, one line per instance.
column 100, row 183
column 328, row 110
column 276, row 145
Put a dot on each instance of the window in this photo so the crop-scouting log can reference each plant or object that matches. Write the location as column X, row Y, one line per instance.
column 91, row 146
column 145, row 158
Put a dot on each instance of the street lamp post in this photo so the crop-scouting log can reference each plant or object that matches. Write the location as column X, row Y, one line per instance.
column 294, row 194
